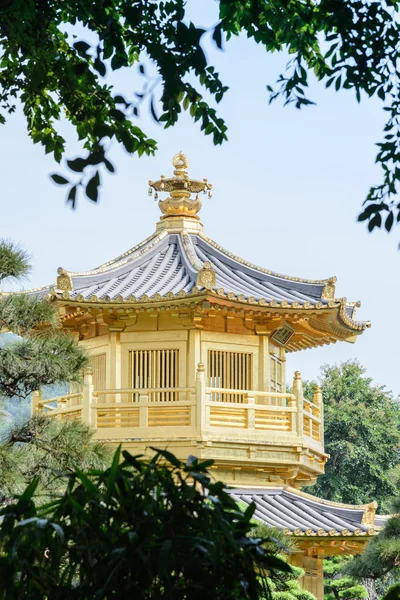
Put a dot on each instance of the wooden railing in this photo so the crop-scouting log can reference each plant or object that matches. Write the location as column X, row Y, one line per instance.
column 201, row 408
column 65, row 408
column 313, row 417
column 155, row 407
column 268, row 411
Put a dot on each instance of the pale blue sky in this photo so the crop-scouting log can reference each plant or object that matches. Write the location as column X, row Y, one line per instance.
column 287, row 187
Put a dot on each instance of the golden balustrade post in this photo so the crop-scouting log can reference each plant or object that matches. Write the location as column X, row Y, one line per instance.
column 201, row 397
column 87, row 396
column 318, row 400
column 251, row 413
column 297, row 391
column 36, row 398
column 143, row 410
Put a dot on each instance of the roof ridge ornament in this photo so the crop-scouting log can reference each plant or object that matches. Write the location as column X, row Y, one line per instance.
column 206, row 277
column 328, row 292
column 180, row 187
column 64, row 281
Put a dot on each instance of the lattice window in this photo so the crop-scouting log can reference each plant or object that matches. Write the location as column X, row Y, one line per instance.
column 276, row 370
column 152, row 369
column 229, row 370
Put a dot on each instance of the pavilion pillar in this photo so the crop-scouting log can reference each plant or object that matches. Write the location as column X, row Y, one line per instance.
column 115, row 367
column 87, row 396
column 193, row 356
column 313, row 578
column 201, row 408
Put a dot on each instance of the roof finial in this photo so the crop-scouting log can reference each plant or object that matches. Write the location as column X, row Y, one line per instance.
column 180, row 187
column 181, row 164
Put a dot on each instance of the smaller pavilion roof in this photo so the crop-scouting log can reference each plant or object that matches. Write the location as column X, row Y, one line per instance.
column 301, row 514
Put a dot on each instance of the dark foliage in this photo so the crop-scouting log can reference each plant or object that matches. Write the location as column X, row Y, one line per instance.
column 347, row 44
column 157, row 529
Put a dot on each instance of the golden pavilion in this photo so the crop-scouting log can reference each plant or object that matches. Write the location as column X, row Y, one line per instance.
column 187, row 346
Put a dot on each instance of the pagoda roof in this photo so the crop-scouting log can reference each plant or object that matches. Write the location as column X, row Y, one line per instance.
column 175, row 264
column 179, row 261
column 301, row 514
column 171, row 262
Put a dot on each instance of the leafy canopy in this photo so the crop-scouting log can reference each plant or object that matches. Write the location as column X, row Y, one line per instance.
column 144, row 529
column 362, row 436
column 347, row 44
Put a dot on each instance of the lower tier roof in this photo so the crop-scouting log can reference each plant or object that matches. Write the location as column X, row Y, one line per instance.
column 300, row 514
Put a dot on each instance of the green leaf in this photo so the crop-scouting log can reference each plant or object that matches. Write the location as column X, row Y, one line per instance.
column 120, row 100
column 77, row 165
column 82, row 47
column 72, row 195
column 389, row 221
column 152, row 110
column 217, row 35
column 171, row 458
column 28, row 492
column 92, row 188
column 110, row 167
column 59, row 179
column 113, row 470
column 100, row 67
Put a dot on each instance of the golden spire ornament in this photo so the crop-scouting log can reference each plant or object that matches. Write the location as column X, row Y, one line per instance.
column 180, row 188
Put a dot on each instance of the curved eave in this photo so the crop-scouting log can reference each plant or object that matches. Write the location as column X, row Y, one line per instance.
column 219, row 294
column 349, row 321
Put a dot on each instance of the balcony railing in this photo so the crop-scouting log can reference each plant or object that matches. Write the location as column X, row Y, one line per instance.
column 177, row 411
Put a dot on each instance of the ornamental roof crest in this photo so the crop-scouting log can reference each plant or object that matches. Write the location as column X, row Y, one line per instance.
column 180, row 188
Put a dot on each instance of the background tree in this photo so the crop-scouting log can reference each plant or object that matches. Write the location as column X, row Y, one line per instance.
column 362, row 436
column 157, row 529
column 43, row 354
column 382, row 554
column 283, row 586
column 348, row 44
column 338, row 586
column 42, row 449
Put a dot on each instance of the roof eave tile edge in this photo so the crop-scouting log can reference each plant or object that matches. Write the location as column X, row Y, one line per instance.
column 196, row 291
column 332, row 533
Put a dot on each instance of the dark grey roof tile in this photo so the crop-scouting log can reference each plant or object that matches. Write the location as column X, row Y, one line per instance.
column 298, row 512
